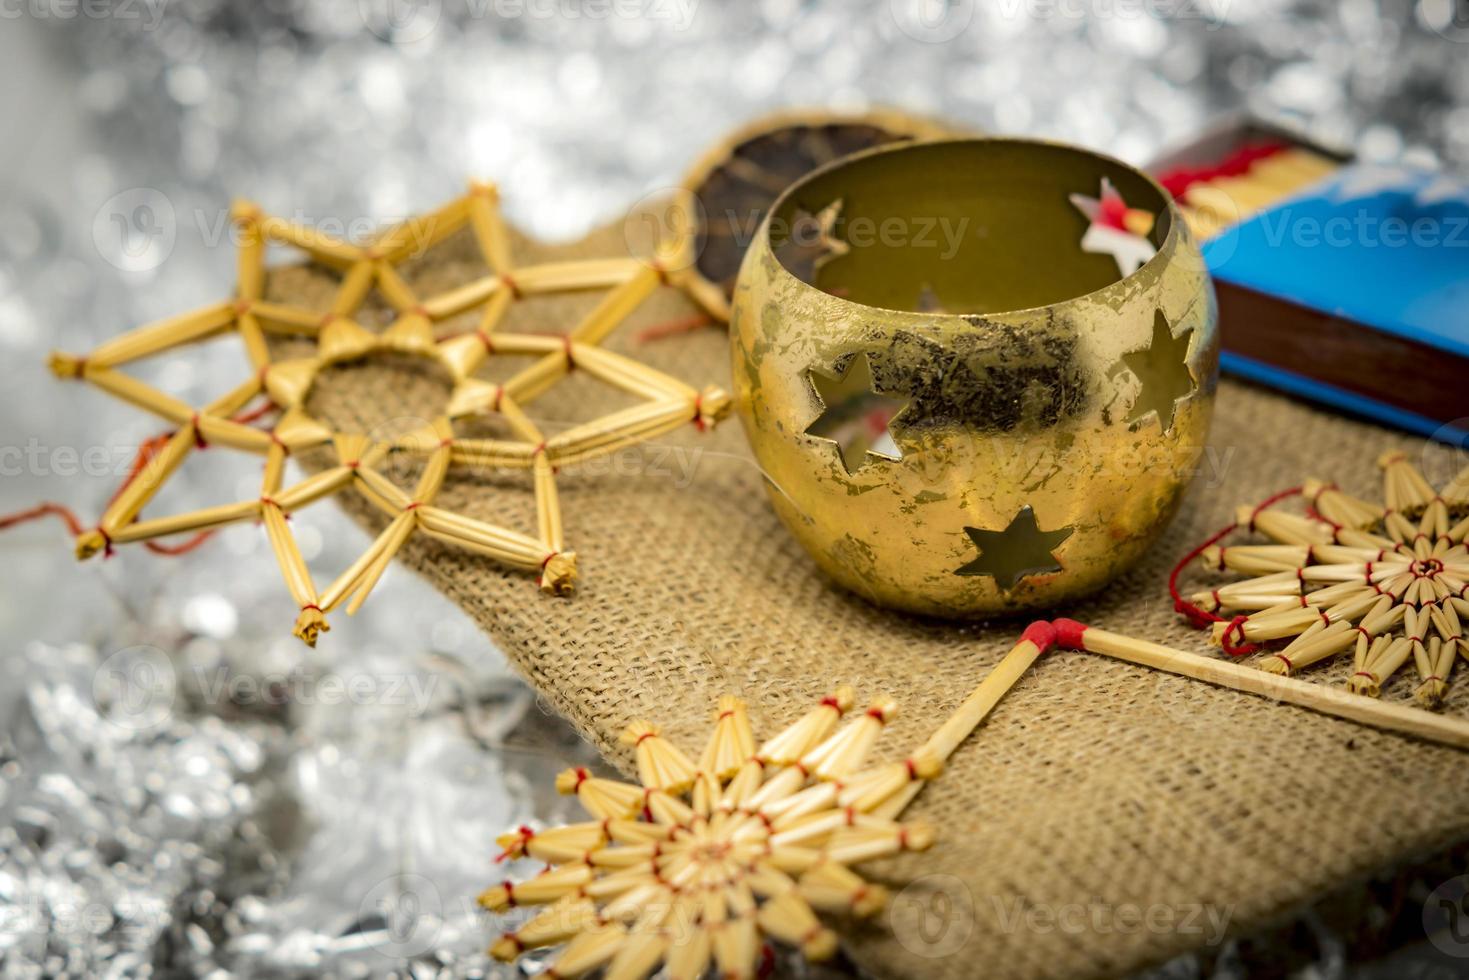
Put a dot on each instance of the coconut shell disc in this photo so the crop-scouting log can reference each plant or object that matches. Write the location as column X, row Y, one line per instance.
column 735, row 182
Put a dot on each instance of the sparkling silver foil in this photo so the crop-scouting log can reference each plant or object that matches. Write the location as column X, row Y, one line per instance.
column 184, row 790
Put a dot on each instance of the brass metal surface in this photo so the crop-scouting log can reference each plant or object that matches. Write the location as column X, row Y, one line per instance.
column 1052, row 413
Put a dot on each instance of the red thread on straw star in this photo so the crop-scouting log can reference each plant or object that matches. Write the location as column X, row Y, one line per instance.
column 1384, row 581
column 666, row 403
column 741, row 846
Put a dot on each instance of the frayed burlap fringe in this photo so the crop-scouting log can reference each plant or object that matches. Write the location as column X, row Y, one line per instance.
column 1104, row 818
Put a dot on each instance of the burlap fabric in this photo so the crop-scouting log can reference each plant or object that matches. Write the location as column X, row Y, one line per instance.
column 1104, row 818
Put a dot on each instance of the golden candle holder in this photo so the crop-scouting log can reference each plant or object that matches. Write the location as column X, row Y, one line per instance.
column 961, row 406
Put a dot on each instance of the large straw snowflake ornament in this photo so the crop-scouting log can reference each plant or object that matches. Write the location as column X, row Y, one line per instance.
column 705, row 860
column 666, row 403
column 1386, row 581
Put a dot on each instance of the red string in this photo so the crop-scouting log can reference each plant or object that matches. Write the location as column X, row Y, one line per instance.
column 1180, row 179
column 767, row 962
column 182, row 548
column 1233, row 639
column 525, row 834
column 40, row 511
column 671, row 328
column 147, row 451
column 256, row 414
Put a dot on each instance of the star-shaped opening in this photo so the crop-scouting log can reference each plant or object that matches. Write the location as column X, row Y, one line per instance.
column 1162, row 371
column 811, row 243
column 1115, row 229
column 928, row 300
column 1022, row 549
column 662, row 403
column 855, row 415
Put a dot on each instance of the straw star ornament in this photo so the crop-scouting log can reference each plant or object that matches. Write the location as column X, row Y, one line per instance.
column 664, row 402
column 1388, row 582
column 704, row 861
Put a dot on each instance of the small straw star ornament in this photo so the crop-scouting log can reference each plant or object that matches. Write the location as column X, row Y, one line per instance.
column 705, row 860
column 666, row 403
column 1389, row 582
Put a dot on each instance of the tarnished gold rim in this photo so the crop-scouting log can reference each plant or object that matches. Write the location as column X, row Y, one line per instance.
column 1165, row 250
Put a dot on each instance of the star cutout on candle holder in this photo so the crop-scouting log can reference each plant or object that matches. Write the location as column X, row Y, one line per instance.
column 812, row 242
column 1020, row 550
column 664, row 402
column 1163, row 373
column 928, row 301
column 855, row 415
column 1115, row 229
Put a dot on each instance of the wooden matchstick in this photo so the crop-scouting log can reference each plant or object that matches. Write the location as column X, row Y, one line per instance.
column 1396, row 718
column 1040, row 637
column 1036, row 640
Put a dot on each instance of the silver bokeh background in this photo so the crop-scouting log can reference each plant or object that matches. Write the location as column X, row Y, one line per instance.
column 184, row 786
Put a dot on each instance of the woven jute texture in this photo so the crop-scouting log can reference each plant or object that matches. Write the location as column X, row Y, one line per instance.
column 1104, row 818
